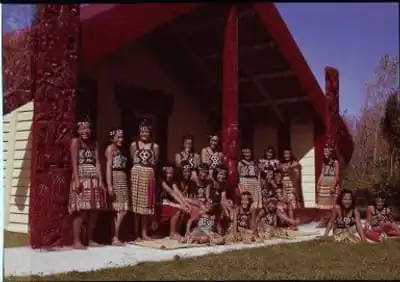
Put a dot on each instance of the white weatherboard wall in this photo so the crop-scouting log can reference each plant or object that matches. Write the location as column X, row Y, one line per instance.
column 17, row 128
column 302, row 143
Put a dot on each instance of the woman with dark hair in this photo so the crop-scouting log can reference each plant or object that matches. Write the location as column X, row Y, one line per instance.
column 345, row 220
column 87, row 194
column 380, row 223
column 268, row 163
column 144, row 153
column 291, row 171
column 328, row 181
column 187, row 153
column 174, row 203
column 249, row 177
column 218, row 189
column 212, row 154
column 117, row 179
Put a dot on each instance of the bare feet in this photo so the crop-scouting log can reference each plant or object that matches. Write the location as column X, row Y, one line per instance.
column 78, row 246
column 145, row 237
column 117, row 242
column 175, row 236
column 94, row 244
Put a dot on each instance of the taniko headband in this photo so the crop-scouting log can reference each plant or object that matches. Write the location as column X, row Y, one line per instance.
column 83, row 123
column 115, row 132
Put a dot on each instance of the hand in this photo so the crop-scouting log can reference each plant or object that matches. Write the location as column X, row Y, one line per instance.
column 110, row 191
column 184, row 207
column 296, row 221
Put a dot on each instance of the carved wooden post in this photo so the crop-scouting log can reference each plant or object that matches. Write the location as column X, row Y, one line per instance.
column 53, row 123
column 332, row 105
column 230, row 97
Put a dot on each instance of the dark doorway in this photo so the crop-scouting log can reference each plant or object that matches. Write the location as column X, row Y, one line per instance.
column 139, row 104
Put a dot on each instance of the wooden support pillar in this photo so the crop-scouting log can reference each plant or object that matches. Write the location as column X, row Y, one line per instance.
column 332, row 105
column 230, row 97
column 56, row 44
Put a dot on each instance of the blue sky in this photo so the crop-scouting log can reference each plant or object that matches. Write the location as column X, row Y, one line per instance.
column 349, row 36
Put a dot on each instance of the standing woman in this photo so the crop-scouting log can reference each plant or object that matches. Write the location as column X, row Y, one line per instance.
column 291, row 180
column 87, row 194
column 328, row 182
column 211, row 154
column 268, row 163
column 249, row 177
column 117, row 180
column 188, row 154
column 145, row 154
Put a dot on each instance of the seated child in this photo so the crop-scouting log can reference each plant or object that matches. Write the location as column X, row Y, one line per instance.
column 218, row 190
column 174, row 204
column 380, row 223
column 205, row 230
column 242, row 224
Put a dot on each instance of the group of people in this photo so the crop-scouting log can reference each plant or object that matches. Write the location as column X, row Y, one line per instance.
column 191, row 192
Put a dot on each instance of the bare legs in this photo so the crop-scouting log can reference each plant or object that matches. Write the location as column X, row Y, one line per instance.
column 77, row 228
column 93, row 215
column 119, row 217
column 143, row 222
column 174, row 222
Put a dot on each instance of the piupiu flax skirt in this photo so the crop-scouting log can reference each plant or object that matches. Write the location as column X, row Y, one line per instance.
column 121, row 192
column 290, row 190
column 143, row 190
column 266, row 232
column 327, row 193
column 346, row 235
column 253, row 186
column 242, row 235
column 89, row 195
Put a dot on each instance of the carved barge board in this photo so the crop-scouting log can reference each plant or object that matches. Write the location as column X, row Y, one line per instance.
column 56, row 42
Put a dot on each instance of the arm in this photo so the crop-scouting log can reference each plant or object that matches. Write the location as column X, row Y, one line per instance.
column 337, row 173
column 189, row 225
column 197, row 158
column 390, row 217
column 156, row 153
column 283, row 216
column 360, row 230
column 179, row 194
column 369, row 217
column 171, row 192
column 178, row 159
column 255, row 219
column 331, row 221
column 234, row 220
column 208, row 191
column 203, row 156
column 321, row 175
column 109, row 157
column 132, row 150
column 258, row 217
column 275, row 221
column 98, row 167
column 74, row 159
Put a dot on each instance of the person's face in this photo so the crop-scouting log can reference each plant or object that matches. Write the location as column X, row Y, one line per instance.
column 84, row 131
column 221, row 176
column 214, row 142
column 327, row 153
column 287, row 154
column 379, row 203
column 144, row 133
column 169, row 173
column 271, row 205
column 187, row 144
column 203, row 174
column 246, row 154
column 186, row 172
column 245, row 201
column 269, row 154
column 347, row 201
column 118, row 138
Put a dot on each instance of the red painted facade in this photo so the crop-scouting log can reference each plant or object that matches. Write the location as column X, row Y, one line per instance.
column 99, row 23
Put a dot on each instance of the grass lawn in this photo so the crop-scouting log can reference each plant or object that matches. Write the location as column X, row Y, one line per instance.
column 13, row 239
column 307, row 260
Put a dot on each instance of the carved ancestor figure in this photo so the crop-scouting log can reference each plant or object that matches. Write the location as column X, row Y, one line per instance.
column 249, row 177
column 144, row 153
column 188, row 154
column 328, row 183
column 117, row 179
column 212, row 154
column 87, row 188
